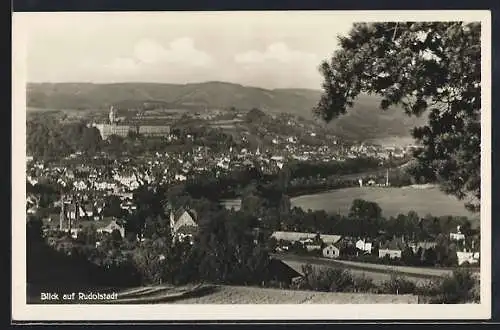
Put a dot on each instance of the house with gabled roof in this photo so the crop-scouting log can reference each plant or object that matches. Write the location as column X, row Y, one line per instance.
column 183, row 223
column 393, row 248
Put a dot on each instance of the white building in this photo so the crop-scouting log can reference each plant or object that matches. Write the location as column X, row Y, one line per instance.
column 458, row 236
column 364, row 246
column 331, row 251
column 393, row 254
column 469, row 257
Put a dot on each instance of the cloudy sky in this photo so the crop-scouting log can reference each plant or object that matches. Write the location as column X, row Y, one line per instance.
column 270, row 50
column 265, row 49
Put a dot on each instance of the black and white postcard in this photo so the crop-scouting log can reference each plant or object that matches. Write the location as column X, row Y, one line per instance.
column 295, row 165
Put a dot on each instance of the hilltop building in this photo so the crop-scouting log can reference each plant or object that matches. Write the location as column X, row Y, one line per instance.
column 113, row 127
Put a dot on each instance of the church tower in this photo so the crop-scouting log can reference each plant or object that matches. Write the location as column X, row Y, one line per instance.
column 62, row 215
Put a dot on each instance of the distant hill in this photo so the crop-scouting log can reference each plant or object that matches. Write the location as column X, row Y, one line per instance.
column 364, row 121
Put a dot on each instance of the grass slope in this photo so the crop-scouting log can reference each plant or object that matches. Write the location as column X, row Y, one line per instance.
column 223, row 294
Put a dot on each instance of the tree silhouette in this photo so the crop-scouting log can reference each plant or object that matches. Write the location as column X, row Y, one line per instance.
column 420, row 66
column 362, row 209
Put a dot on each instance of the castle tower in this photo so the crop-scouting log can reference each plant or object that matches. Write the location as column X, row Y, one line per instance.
column 112, row 115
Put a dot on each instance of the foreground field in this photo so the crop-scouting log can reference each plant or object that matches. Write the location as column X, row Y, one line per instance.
column 250, row 295
column 222, row 294
column 429, row 200
column 208, row 294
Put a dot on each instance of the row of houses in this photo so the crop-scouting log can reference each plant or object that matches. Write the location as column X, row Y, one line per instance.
column 332, row 245
column 183, row 223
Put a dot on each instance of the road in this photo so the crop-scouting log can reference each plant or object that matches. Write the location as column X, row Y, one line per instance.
column 378, row 272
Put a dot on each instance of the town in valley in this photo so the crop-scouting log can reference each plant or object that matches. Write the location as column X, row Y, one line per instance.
column 224, row 190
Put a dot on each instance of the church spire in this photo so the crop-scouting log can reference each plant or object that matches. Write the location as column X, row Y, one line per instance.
column 62, row 215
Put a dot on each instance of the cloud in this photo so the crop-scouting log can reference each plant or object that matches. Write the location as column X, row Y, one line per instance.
column 181, row 50
column 148, row 54
column 275, row 52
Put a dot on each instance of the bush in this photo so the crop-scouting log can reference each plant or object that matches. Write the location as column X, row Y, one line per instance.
column 398, row 285
column 364, row 284
column 459, row 288
column 327, row 279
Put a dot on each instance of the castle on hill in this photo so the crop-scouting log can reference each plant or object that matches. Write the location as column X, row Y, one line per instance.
column 114, row 127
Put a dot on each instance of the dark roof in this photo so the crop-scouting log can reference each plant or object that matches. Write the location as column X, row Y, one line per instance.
column 181, row 210
column 279, row 270
column 394, row 244
column 178, row 213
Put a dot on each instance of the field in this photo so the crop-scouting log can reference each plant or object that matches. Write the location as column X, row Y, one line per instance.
column 249, row 295
column 210, row 294
column 223, row 294
column 429, row 200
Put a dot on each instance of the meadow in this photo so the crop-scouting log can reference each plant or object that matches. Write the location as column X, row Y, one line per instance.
column 252, row 295
column 393, row 201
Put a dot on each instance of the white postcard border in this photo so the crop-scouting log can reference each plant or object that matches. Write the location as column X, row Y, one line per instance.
column 22, row 311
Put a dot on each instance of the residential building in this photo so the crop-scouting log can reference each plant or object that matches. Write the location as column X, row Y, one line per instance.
column 331, row 251
column 458, row 236
column 364, row 246
column 467, row 257
column 111, row 226
column 183, row 224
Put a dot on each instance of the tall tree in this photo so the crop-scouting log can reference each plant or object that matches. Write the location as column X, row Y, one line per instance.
column 367, row 210
column 420, row 66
